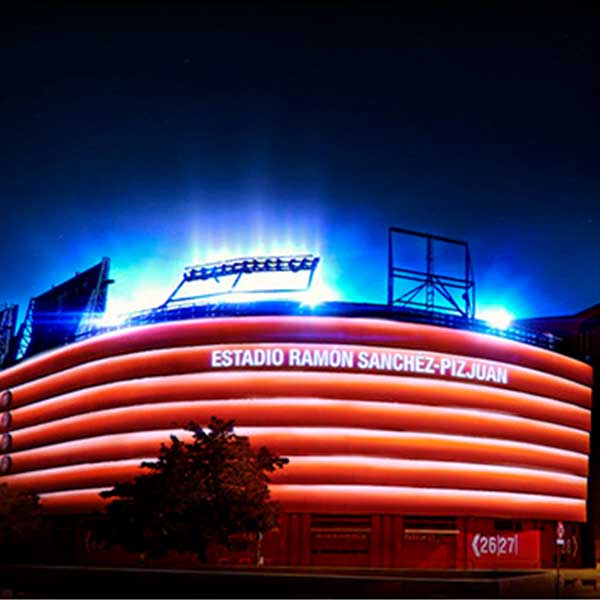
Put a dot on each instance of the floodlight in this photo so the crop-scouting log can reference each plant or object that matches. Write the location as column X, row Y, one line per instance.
column 497, row 317
column 110, row 320
column 242, row 267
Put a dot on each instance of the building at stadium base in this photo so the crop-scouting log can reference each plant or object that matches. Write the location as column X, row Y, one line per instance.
column 580, row 335
column 410, row 444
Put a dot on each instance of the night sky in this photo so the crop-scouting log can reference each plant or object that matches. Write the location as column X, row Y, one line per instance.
column 163, row 136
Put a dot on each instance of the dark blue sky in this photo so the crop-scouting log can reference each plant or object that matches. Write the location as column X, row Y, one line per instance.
column 164, row 136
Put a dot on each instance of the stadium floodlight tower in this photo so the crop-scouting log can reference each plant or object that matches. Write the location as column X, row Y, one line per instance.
column 446, row 285
column 64, row 312
column 237, row 269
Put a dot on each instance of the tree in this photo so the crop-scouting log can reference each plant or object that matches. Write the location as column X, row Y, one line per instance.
column 21, row 522
column 197, row 495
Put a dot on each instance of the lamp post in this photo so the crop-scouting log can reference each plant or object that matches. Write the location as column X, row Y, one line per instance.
column 560, row 541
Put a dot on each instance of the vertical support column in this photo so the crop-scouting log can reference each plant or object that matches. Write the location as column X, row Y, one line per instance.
column 398, row 524
column 294, row 540
column 461, row 543
column 375, row 553
column 387, row 540
column 284, row 540
column 305, row 546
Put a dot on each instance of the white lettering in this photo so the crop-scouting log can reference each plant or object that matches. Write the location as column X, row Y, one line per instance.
column 371, row 360
column 491, row 374
column 278, row 357
column 363, row 360
column 306, row 360
column 227, row 358
column 386, row 362
column 374, row 362
column 215, row 358
column 260, row 358
column 495, row 544
column 321, row 358
column 503, row 372
column 236, row 357
column 347, row 359
column 398, row 362
column 294, row 357
column 429, row 365
column 247, row 359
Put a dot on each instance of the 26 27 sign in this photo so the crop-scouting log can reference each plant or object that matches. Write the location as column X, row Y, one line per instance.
column 495, row 545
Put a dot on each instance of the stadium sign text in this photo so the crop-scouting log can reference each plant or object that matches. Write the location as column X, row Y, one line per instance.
column 393, row 361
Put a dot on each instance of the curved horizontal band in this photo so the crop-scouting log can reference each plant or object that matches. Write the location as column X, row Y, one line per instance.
column 430, row 502
column 365, row 471
column 420, row 439
column 279, row 329
column 188, row 360
column 248, row 384
column 333, row 470
column 305, row 412
column 330, row 499
column 291, row 441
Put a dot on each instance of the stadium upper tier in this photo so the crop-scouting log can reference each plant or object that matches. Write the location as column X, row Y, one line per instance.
column 341, row 309
column 378, row 413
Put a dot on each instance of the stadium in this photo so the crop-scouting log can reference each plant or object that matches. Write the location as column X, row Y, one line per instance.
column 418, row 435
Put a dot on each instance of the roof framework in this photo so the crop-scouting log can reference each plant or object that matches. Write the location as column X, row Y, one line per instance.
column 237, row 269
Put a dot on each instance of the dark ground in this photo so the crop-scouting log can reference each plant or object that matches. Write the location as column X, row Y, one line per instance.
column 99, row 582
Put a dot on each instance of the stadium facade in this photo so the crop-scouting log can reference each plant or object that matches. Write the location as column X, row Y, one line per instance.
column 413, row 442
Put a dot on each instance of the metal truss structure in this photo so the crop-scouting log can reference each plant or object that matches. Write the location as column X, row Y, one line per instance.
column 237, row 268
column 432, row 289
column 97, row 303
column 8, row 322
column 56, row 316
column 431, row 295
column 23, row 337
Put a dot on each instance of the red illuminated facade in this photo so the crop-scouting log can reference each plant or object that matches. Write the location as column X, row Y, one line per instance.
column 409, row 444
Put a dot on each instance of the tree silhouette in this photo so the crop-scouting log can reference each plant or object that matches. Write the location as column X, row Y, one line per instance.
column 21, row 522
column 197, row 495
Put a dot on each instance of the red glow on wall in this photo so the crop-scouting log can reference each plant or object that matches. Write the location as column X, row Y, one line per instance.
column 433, row 421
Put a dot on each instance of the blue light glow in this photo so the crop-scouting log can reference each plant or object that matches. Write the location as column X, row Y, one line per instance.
column 109, row 320
column 240, row 223
column 249, row 289
column 497, row 317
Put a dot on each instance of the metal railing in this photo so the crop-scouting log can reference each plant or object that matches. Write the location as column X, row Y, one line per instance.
column 343, row 309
